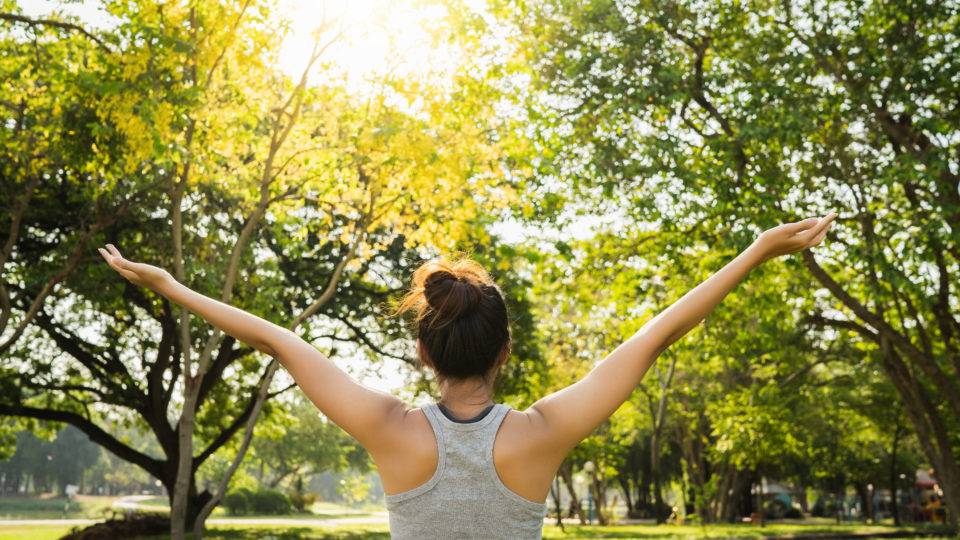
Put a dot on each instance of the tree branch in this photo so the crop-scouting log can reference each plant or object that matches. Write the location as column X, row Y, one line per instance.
column 13, row 17
column 151, row 465
column 947, row 385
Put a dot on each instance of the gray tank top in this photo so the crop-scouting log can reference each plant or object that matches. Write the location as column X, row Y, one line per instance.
column 465, row 497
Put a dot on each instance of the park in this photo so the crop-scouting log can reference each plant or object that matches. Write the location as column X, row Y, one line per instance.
column 722, row 238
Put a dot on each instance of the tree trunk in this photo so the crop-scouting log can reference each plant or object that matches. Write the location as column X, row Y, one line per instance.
column 760, row 498
column 658, row 415
column 194, row 501
column 599, row 498
column 626, row 489
column 693, row 457
column 841, row 496
column 894, row 503
column 183, row 487
column 929, row 427
column 645, row 488
column 655, row 473
column 863, row 495
column 911, row 381
column 555, row 493
column 739, row 482
column 566, row 474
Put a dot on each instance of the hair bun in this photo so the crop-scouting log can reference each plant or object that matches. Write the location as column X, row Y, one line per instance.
column 461, row 318
column 451, row 295
column 445, row 291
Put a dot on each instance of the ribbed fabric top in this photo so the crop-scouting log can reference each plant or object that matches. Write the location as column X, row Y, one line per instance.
column 465, row 497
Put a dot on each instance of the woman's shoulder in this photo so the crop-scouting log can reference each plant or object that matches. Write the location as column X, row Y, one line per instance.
column 413, row 454
column 522, row 455
column 523, row 431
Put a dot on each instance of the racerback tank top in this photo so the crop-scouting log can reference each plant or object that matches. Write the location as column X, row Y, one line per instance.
column 465, row 497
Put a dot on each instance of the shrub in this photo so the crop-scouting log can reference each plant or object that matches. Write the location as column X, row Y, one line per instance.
column 302, row 501
column 269, row 501
column 237, row 502
column 244, row 501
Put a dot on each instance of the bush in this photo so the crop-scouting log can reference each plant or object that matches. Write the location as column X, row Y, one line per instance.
column 246, row 501
column 825, row 506
column 302, row 501
column 269, row 501
column 237, row 502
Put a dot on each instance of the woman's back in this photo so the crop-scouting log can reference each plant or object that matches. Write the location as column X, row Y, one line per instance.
column 464, row 497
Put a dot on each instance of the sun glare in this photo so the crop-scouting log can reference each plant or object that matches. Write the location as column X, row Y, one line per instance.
column 377, row 38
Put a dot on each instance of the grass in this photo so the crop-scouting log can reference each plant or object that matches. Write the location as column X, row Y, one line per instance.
column 226, row 532
column 93, row 507
column 20, row 532
column 380, row 532
column 84, row 506
column 341, row 532
column 783, row 530
column 160, row 502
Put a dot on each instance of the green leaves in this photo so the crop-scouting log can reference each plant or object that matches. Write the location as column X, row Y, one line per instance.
column 710, row 121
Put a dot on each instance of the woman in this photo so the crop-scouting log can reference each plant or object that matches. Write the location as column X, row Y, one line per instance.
column 466, row 467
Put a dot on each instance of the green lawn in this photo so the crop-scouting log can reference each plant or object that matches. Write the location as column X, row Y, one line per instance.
column 716, row 531
column 226, row 532
column 159, row 502
column 84, row 506
column 380, row 532
column 32, row 532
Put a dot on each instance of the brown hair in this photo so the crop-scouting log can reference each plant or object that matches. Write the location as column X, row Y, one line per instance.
column 460, row 317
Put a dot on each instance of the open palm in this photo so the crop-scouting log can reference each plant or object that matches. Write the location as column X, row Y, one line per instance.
column 792, row 237
column 138, row 273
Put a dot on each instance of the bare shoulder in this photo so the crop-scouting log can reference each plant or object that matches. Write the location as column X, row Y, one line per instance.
column 522, row 454
column 525, row 431
column 407, row 456
column 407, row 429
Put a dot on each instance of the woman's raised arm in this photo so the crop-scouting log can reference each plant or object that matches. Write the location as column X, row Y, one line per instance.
column 564, row 418
column 364, row 413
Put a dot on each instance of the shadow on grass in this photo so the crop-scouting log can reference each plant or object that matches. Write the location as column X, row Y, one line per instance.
column 292, row 533
column 795, row 532
column 575, row 532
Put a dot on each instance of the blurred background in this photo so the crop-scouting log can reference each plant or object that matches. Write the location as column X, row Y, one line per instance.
column 299, row 159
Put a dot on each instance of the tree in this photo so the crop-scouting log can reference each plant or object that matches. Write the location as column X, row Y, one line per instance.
column 174, row 134
column 731, row 117
column 48, row 463
column 303, row 445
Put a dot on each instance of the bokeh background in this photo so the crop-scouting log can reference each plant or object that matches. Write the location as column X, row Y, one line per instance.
column 298, row 159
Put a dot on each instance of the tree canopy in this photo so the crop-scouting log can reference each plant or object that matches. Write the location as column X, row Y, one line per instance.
column 635, row 145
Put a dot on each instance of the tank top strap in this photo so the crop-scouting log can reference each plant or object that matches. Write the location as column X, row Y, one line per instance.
column 436, row 418
column 498, row 414
column 440, row 420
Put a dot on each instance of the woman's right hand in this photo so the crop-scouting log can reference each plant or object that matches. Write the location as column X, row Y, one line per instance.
column 793, row 237
column 141, row 274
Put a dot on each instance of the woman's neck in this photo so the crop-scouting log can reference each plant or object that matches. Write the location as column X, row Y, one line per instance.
column 465, row 399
